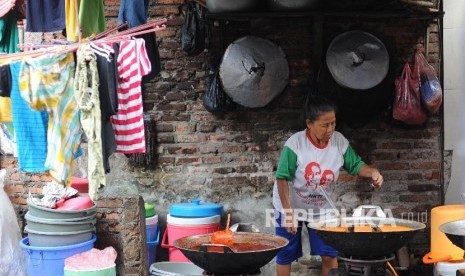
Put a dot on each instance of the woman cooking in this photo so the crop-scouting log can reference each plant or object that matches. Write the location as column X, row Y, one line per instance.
column 311, row 159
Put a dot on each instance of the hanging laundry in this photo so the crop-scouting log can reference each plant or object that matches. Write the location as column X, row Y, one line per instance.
column 9, row 33
column 5, row 110
column 45, row 15
column 20, row 7
column 71, row 20
column 92, row 17
column 133, row 63
column 107, row 71
column 30, row 128
column 6, row 6
column 46, row 83
column 151, row 47
column 135, row 13
column 5, row 81
column 87, row 96
column 5, row 91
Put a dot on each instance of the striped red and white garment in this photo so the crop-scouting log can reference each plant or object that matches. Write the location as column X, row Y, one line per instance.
column 128, row 124
column 6, row 6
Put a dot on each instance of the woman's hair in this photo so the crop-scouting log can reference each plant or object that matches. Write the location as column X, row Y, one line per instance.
column 318, row 105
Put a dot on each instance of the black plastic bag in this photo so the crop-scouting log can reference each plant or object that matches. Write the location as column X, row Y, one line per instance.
column 215, row 99
column 193, row 30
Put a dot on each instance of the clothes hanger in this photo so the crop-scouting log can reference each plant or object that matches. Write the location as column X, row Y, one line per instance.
column 152, row 26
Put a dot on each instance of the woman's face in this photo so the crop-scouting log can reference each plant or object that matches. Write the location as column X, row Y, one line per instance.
column 323, row 127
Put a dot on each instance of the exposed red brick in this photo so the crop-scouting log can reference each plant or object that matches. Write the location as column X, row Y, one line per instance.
column 188, row 160
column 112, row 216
column 8, row 162
column 15, row 176
column 109, row 203
column 35, row 190
column 14, row 189
column 18, row 200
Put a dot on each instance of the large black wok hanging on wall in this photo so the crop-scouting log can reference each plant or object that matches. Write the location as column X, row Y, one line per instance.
column 253, row 71
column 357, row 60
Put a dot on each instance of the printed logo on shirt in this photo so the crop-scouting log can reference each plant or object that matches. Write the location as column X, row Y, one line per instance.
column 312, row 176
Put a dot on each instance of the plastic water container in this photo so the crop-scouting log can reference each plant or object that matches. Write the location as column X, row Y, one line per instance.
column 175, row 269
column 152, row 234
column 188, row 219
column 442, row 249
column 152, row 250
column 447, row 268
column 50, row 261
column 151, row 228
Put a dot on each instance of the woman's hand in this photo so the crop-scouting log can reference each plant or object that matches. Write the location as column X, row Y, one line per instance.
column 289, row 222
column 377, row 179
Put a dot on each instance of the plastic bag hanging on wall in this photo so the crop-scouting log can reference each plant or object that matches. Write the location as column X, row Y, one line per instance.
column 193, row 29
column 215, row 99
column 407, row 106
column 430, row 87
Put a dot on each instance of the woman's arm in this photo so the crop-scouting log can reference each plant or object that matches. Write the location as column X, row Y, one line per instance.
column 366, row 171
column 288, row 220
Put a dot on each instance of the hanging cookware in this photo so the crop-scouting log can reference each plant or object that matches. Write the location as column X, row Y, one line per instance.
column 253, row 71
column 378, row 236
column 357, row 60
column 455, row 231
column 292, row 5
column 219, row 6
column 253, row 250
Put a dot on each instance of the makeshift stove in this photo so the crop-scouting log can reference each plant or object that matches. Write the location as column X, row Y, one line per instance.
column 359, row 267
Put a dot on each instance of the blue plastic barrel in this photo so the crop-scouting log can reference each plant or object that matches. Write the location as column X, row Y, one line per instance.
column 50, row 261
column 152, row 250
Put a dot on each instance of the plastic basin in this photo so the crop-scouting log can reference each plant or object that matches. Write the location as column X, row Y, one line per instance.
column 175, row 269
column 42, row 212
column 44, row 225
column 52, row 239
column 76, row 203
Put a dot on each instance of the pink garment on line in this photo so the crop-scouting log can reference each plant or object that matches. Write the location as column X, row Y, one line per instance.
column 6, row 6
column 128, row 124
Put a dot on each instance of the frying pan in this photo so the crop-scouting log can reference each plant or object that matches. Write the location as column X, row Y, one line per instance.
column 229, row 262
column 363, row 245
column 455, row 232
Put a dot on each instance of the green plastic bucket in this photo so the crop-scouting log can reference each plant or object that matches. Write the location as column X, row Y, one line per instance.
column 109, row 271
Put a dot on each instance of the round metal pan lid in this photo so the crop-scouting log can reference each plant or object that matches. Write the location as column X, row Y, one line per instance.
column 357, row 60
column 253, row 71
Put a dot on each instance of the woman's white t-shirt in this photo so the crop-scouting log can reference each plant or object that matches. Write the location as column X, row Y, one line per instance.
column 307, row 166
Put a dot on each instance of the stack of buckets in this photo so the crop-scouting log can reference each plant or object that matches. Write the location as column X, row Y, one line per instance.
column 447, row 257
column 188, row 219
column 55, row 235
column 152, row 234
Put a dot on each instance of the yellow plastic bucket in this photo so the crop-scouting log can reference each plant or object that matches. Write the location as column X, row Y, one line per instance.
column 442, row 248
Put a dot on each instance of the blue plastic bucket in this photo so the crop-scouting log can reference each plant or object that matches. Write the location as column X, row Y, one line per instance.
column 152, row 232
column 50, row 261
column 152, row 250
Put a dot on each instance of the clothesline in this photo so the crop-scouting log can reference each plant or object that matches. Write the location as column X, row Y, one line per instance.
column 152, row 26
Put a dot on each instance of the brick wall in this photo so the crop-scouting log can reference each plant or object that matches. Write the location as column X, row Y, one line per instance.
column 231, row 157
